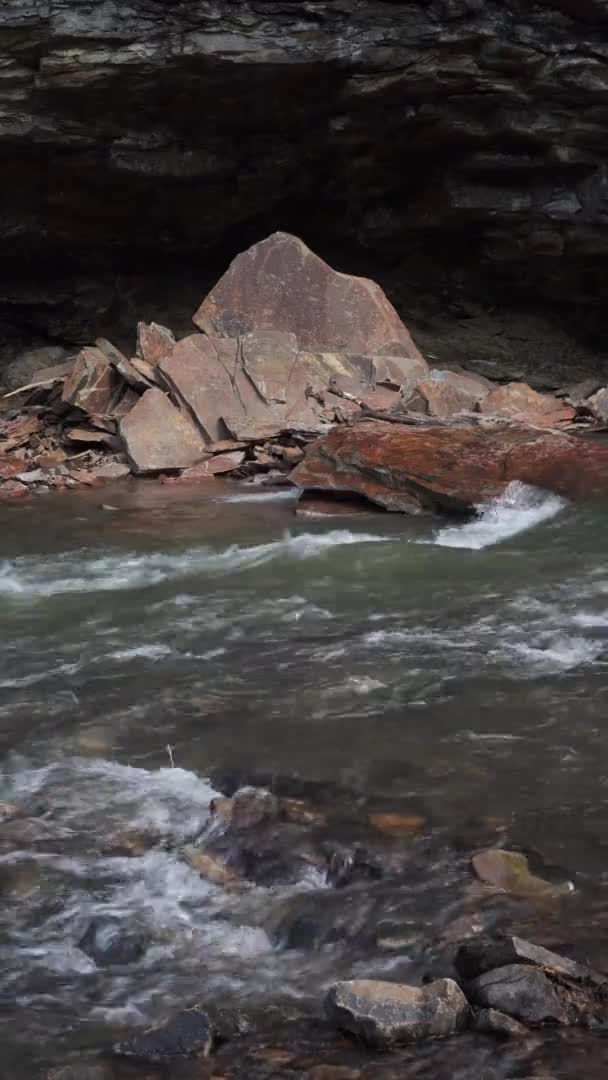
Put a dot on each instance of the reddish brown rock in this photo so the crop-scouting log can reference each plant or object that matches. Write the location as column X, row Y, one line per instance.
column 520, row 402
column 18, row 432
column 81, row 476
column 154, row 342
column 211, row 466
column 92, row 385
column 382, row 399
column 145, row 369
column 50, row 458
column 12, row 489
column 9, row 467
column 412, row 469
column 92, row 437
column 268, row 358
column 198, row 372
column 131, row 375
column 280, row 284
column 158, row 437
column 447, row 393
column 125, row 403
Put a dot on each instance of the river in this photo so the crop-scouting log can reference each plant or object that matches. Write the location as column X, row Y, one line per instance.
column 454, row 672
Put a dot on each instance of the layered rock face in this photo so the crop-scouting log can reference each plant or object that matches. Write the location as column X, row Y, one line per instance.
column 455, row 148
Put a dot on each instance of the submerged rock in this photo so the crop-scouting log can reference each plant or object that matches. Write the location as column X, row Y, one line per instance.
column 187, row 1034
column 509, row 871
column 108, row 943
column 492, row 1022
column 280, row 284
column 382, row 1013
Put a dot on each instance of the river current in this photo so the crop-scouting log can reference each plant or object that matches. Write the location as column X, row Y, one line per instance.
column 456, row 671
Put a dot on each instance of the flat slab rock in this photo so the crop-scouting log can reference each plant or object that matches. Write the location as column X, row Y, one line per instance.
column 187, row 1034
column 382, row 1013
column 158, row 437
column 410, row 469
column 280, row 284
column 520, row 402
column 477, row 957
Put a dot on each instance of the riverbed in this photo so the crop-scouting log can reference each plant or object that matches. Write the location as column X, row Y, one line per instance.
column 157, row 644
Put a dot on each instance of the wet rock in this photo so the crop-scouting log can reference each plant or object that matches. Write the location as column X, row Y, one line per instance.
column 280, row 284
column 509, row 871
column 82, row 1070
column 476, row 958
column 492, row 1022
column 448, row 393
column 333, row 1072
column 213, row 868
column 520, row 402
column 310, row 504
column 92, row 385
column 110, row 944
column 248, row 808
column 187, row 1034
column 128, row 844
column 450, row 467
column 154, row 342
column 523, row 992
column 382, row 1013
column 301, row 812
column 8, row 811
column 398, row 824
column 158, row 437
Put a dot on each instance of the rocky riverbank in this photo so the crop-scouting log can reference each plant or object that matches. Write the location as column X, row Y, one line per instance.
column 474, row 979
column 291, row 355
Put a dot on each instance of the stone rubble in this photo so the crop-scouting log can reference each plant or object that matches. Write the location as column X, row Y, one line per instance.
column 290, row 352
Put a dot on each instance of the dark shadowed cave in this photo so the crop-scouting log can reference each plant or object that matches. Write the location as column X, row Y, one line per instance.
column 455, row 150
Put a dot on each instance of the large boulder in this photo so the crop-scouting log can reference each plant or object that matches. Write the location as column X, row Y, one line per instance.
column 158, row 437
column 447, row 393
column 427, row 467
column 522, row 991
column 382, row 1013
column 280, row 284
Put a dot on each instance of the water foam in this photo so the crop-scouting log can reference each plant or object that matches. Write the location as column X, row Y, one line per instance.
column 35, row 577
column 519, row 508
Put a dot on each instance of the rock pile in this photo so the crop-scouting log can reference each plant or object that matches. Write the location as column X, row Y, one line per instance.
column 290, row 351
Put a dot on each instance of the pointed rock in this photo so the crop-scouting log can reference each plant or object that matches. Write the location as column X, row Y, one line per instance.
column 211, row 466
column 92, row 385
column 280, row 284
column 123, row 366
column 154, row 342
column 158, row 437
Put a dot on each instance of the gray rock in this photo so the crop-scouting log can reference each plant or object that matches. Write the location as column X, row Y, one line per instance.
column 27, row 366
column 187, row 1034
column 477, row 957
column 522, row 991
column 382, row 1013
column 110, row 944
column 492, row 1022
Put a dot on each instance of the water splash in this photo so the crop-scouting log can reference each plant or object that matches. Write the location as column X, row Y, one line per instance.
column 519, row 508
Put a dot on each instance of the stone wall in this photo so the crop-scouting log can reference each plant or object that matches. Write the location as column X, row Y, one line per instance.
column 454, row 149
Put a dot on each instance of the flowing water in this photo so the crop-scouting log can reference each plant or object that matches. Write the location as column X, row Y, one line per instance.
column 456, row 671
